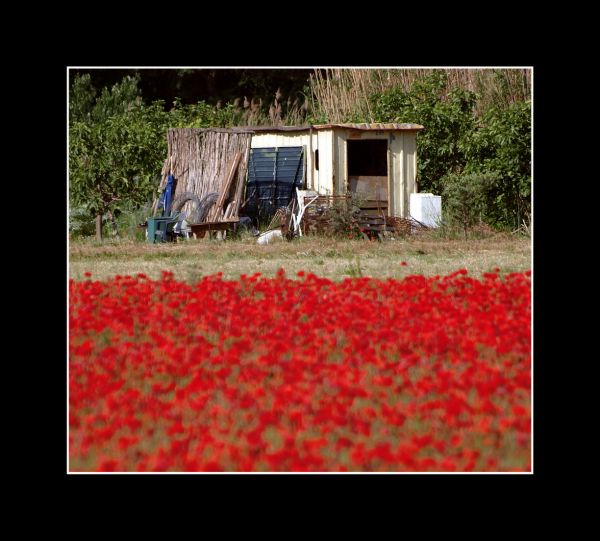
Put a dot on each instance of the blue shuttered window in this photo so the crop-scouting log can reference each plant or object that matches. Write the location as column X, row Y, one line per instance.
column 273, row 176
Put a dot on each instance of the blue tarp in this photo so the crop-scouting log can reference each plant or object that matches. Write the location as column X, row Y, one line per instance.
column 166, row 198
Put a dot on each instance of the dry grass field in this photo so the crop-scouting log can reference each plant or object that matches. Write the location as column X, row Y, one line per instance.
column 332, row 258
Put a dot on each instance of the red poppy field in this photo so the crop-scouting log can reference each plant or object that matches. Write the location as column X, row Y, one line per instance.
column 423, row 374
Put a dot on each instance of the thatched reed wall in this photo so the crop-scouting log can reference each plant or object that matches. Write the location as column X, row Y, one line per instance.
column 200, row 159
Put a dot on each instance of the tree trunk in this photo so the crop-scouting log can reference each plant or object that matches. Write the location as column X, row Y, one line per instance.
column 99, row 227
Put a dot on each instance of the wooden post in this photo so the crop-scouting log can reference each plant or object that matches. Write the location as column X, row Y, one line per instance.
column 216, row 214
column 241, row 184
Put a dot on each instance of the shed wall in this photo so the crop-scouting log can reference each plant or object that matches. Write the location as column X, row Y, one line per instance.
column 286, row 139
column 410, row 170
column 280, row 139
column 395, row 204
column 402, row 150
column 324, row 176
column 332, row 176
column 341, row 153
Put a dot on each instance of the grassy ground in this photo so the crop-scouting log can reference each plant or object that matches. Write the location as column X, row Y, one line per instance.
column 331, row 258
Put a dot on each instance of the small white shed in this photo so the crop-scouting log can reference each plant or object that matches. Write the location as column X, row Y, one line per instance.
column 378, row 162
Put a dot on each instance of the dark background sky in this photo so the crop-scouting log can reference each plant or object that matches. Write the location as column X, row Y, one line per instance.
column 210, row 85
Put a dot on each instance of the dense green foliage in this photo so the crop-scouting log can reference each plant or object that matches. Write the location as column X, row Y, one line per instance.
column 116, row 147
column 465, row 198
column 454, row 141
column 115, row 160
column 446, row 121
column 502, row 144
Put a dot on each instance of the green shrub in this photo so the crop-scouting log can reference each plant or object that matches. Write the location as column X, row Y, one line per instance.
column 465, row 199
column 127, row 220
column 82, row 222
column 502, row 145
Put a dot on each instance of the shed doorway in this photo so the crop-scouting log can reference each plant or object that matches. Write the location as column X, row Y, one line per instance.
column 368, row 173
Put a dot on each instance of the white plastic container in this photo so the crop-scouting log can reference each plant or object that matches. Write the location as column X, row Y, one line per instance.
column 269, row 236
column 426, row 208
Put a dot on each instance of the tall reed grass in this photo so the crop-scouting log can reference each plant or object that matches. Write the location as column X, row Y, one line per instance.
column 280, row 112
column 342, row 94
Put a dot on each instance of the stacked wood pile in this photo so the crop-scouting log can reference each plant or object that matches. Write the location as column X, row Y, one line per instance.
column 209, row 161
column 405, row 226
column 319, row 218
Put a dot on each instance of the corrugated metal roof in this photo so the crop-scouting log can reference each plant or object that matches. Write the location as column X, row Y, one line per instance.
column 389, row 126
column 277, row 128
column 377, row 126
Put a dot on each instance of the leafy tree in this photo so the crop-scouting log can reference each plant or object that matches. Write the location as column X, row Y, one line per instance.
column 82, row 98
column 86, row 106
column 116, row 147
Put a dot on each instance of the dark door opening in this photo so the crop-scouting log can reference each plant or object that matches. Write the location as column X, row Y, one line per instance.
column 368, row 172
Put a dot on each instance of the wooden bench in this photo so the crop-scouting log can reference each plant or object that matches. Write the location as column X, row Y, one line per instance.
column 199, row 230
